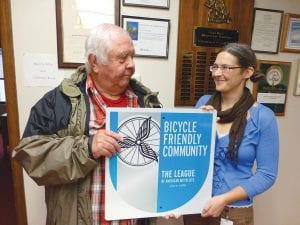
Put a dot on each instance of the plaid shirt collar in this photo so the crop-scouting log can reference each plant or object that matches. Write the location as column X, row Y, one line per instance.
column 99, row 104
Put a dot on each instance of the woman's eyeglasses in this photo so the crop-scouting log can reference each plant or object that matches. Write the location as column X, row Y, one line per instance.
column 223, row 68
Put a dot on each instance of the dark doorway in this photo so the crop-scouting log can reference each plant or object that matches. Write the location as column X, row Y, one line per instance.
column 7, row 199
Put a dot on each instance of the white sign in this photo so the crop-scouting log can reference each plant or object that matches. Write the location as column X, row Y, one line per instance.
column 165, row 165
column 41, row 70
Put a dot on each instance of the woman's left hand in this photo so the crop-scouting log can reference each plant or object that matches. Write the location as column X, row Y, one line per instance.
column 214, row 207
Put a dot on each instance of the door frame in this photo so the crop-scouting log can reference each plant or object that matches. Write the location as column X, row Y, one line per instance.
column 12, row 107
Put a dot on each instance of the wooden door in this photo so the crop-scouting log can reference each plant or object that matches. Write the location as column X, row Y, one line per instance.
column 14, row 187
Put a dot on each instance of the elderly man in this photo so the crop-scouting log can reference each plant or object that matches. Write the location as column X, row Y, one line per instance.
column 65, row 142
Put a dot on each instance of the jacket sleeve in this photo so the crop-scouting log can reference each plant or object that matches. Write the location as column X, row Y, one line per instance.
column 146, row 97
column 47, row 157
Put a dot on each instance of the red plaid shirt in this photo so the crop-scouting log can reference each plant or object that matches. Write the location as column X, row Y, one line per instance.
column 97, row 121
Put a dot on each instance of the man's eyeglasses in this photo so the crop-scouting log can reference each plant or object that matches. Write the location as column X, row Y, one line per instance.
column 223, row 68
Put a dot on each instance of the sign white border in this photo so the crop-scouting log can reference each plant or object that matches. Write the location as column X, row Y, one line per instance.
column 117, row 208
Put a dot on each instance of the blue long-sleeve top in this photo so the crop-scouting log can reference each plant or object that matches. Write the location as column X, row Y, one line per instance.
column 260, row 143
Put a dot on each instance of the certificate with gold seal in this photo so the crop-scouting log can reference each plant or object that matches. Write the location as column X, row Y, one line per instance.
column 272, row 91
column 274, row 75
column 165, row 165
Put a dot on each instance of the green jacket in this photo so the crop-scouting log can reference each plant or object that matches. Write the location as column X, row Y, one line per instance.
column 54, row 149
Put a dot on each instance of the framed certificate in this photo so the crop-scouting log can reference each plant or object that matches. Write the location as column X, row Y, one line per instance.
column 150, row 35
column 165, row 164
column 297, row 81
column 74, row 20
column 266, row 30
column 163, row 4
column 272, row 91
column 290, row 38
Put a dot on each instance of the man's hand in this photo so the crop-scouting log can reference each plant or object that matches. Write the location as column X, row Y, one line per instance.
column 105, row 143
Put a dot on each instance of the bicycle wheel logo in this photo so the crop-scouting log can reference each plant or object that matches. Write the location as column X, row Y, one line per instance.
column 140, row 143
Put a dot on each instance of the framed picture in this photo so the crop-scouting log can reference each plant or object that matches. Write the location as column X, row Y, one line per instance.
column 74, row 20
column 1, row 65
column 297, row 81
column 290, row 37
column 266, row 30
column 272, row 91
column 163, row 4
column 150, row 36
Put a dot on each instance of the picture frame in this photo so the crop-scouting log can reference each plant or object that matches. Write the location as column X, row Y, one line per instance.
column 290, row 37
column 272, row 91
column 1, row 65
column 162, row 4
column 74, row 20
column 266, row 30
column 150, row 35
column 297, row 81
column 2, row 86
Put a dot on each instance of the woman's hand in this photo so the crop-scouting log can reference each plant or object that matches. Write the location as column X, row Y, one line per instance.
column 207, row 107
column 171, row 216
column 214, row 207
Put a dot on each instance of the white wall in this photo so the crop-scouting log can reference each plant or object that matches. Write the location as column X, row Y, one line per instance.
column 34, row 31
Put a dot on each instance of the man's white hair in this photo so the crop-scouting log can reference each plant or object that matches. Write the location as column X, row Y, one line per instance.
column 100, row 42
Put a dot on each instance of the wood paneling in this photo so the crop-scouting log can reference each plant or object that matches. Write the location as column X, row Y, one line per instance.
column 192, row 70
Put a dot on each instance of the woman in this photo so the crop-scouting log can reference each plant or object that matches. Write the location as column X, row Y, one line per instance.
column 246, row 132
